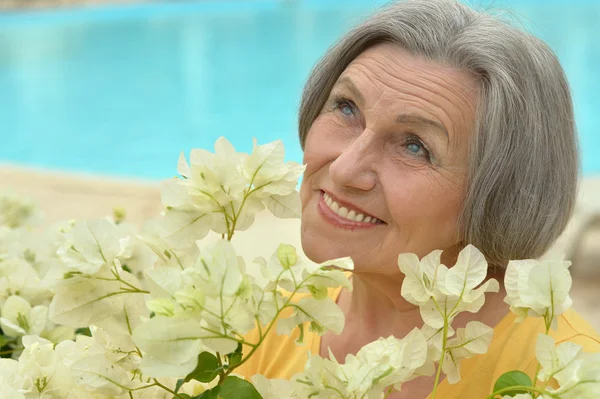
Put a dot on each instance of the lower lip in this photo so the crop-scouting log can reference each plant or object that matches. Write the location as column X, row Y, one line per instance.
column 333, row 218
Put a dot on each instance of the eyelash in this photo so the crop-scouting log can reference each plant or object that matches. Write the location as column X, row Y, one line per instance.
column 340, row 102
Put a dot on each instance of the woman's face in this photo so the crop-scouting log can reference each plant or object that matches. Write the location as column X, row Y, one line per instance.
column 387, row 160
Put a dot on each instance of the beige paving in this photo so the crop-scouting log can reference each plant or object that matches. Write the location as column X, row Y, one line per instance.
column 45, row 4
column 67, row 196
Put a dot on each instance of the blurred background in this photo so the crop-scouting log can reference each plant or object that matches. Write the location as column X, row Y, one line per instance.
column 99, row 97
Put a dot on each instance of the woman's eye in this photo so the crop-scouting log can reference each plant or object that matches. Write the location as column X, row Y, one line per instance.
column 346, row 107
column 416, row 147
column 346, row 110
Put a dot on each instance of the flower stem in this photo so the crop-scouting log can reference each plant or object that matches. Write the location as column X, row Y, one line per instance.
column 537, row 370
column 271, row 324
column 443, row 355
column 175, row 395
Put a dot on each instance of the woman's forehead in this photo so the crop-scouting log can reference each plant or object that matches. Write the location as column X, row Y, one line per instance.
column 387, row 75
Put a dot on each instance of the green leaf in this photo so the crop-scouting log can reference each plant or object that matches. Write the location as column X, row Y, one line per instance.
column 237, row 388
column 4, row 340
column 234, row 358
column 206, row 370
column 182, row 396
column 84, row 331
column 210, row 394
column 512, row 379
column 180, row 382
column 300, row 339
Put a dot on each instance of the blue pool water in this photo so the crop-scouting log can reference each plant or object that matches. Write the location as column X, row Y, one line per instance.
column 123, row 90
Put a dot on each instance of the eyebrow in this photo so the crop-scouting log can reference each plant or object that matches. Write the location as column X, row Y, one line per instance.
column 349, row 84
column 404, row 118
column 416, row 119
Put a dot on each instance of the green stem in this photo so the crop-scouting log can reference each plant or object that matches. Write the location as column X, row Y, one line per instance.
column 222, row 374
column 175, row 395
column 246, row 196
column 441, row 362
column 539, row 366
column 271, row 324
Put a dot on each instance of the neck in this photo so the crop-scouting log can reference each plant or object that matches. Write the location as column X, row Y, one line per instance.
column 375, row 308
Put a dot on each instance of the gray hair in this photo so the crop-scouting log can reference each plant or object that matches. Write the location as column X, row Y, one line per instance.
column 523, row 166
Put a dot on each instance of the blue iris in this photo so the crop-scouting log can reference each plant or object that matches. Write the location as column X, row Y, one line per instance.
column 412, row 147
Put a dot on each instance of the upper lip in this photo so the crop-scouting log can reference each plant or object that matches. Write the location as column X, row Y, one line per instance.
column 349, row 205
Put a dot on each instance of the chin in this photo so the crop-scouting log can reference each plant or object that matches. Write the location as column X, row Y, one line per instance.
column 317, row 250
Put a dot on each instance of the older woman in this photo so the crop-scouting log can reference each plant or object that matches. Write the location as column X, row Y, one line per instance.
column 430, row 126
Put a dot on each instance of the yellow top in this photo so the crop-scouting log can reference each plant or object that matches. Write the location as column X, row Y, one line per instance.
column 512, row 348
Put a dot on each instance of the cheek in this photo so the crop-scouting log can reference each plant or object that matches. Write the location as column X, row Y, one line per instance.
column 322, row 147
column 425, row 201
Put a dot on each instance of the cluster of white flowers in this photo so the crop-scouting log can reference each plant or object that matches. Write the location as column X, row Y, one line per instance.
column 99, row 309
column 377, row 366
column 576, row 372
column 441, row 294
column 25, row 257
column 153, row 306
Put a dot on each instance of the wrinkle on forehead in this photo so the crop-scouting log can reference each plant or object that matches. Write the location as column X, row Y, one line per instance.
column 447, row 94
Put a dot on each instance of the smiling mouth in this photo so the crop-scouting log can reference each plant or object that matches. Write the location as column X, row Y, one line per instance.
column 348, row 214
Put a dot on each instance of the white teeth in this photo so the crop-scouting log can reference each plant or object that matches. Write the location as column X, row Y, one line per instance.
column 335, row 207
column 345, row 213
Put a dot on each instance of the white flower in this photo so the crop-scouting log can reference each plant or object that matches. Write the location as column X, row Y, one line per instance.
column 20, row 318
column 273, row 388
column 92, row 368
column 81, row 300
column 323, row 315
column 42, row 371
column 17, row 211
column 56, row 333
column 11, row 382
column 266, row 164
column 217, row 177
column 378, row 365
column 274, row 180
column 470, row 341
column 385, row 362
column 118, row 348
column 538, row 288
column 171, row 345
column 181, row 227
column 577, row 372
column 319, row 380
column 218, row 270
column 136, row 256
column 166, row 254
column 443, row 293
column 557, row 362
column 18, row 277
column 289, row 271
column 90, row 245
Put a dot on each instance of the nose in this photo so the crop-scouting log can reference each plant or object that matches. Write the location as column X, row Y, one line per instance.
column 353, row 169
